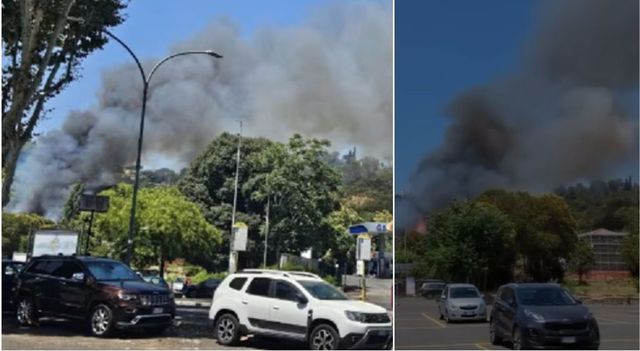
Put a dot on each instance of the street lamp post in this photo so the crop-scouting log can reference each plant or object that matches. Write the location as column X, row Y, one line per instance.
column 145, row 80
column 233, row 259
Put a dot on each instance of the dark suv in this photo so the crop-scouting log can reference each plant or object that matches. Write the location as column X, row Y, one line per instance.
column 541, row 315
column 105, row 294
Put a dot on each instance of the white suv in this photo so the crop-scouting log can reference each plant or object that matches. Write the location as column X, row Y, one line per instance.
column 296, row 305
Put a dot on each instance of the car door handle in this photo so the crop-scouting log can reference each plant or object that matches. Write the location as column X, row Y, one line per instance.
column 276, row 307
column 244, row 302
column 62, row 282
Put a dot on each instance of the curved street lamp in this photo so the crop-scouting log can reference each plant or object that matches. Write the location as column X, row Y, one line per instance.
column 145, row 80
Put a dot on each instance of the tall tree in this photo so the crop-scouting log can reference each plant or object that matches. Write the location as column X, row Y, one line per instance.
column 581, row 259
column 43, row 51
column 170, row 226
column 545, row 230
column 294, row 178
column 16, row 228
column 469, row 241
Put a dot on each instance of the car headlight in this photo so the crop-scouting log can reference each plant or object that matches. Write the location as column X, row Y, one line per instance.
column 453, row 307
column 535, row 316
column 588, row 316
column 355, row 316
column 126, row 297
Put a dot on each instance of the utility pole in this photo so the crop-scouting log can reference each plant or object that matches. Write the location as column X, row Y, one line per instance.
column 233, row 260
column 266, row 233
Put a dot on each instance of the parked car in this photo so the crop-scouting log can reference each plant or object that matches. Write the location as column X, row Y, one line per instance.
column 10, row 270
column 462, row 302
column 431, row 288
column 178, row 286
column 105, row 294
column 299, row 306
column 541, row 315
column 203, row 289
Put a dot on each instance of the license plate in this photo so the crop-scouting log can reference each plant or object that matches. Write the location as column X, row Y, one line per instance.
column 157, row 310
column 568, row 340
column 468, row 313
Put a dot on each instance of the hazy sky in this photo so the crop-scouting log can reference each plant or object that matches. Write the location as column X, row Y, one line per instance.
column 153, row 26
column 443, row 48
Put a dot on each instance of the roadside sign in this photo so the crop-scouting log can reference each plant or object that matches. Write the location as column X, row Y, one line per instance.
column 19, row 257
column 373, row 228
column 360, row 268
column 96, row 203
column 54, row 242
column 240, row 231
column 363, row 247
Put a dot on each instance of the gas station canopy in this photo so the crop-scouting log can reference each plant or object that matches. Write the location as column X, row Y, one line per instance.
column 372, row 228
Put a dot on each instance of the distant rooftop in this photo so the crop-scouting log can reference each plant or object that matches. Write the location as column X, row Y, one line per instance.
column 603, row 232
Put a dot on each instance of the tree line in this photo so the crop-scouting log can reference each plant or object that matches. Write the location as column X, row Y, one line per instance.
column 502, row 236
column 313, row 196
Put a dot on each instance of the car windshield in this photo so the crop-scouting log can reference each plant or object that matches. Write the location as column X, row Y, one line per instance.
column 322, row 291
column 462, row 293
column 544, row 296
column 109, row 270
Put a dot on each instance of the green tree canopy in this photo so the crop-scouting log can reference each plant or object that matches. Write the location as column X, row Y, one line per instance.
column 294, row 178
column 16, row 228
column 44, row 43
column 545, row 230
column 469, row 241
column 581, row 259
column 168, row 226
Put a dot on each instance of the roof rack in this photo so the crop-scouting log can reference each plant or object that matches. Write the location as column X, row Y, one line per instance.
column 283, row 273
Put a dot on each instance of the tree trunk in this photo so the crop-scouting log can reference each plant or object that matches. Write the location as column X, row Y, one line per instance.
column 161, row 263
column 9, row 168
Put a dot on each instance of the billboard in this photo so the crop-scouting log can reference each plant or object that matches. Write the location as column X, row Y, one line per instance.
column 240, row 231
column 54, row 242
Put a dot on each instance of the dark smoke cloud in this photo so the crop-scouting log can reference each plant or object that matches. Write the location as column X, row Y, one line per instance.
column 562, row 116
column 329, row 77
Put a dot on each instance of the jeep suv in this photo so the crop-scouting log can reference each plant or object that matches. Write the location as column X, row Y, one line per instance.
column 103, row 293
column 295, row 305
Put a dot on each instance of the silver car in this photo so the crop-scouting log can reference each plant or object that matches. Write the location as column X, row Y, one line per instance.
column 462, row 302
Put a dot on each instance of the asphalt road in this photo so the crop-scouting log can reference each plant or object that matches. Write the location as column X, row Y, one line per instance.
column 191, row 332
column 418, row 327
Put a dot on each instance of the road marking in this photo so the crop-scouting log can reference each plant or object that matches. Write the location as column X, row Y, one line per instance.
column 612, row 320
column 479, row 345
column 450, row 326
column 434, row 320
column 434, row 346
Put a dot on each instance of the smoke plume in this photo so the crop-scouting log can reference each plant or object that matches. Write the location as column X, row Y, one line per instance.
column 564, row 115
column 328, row 77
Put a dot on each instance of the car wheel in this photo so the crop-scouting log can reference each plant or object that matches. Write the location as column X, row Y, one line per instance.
column 324, row 337
column 494, row 338
column 26, row 312
column 101, row 321
column 227, row 329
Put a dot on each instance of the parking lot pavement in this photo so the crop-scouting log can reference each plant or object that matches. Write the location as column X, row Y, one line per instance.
column 418, row 327
column 191, row 332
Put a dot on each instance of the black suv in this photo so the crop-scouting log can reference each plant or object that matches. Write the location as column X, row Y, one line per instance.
column 105, row 294
column 541, row 315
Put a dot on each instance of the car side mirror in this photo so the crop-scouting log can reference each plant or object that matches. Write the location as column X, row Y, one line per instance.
column 90, row 280
column 482, row 296
column 78, row 276
column 579, row 302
